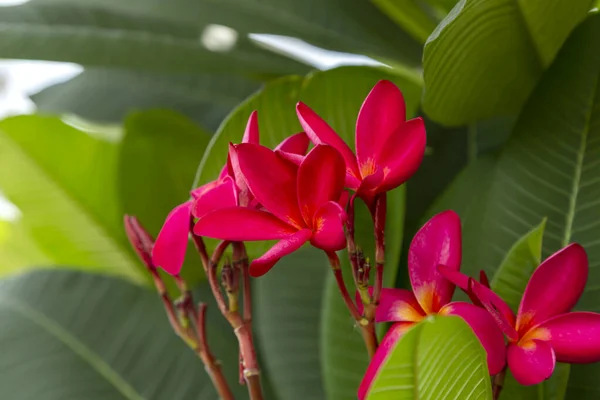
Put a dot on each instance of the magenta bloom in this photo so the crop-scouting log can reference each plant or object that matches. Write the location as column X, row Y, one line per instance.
column 228, row 190
column 389, row 149
column 544, row 331
column 300, row 204
column 438, row 242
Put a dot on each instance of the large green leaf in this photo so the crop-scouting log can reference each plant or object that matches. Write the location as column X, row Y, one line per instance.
column 550, row 169
column 486, row 56
column 354, row 26
column 439, row 358
column 100, row 37
column 62, row 180
column 287, row 304
column 108, row 95
column 336, row 95
column 110, row 339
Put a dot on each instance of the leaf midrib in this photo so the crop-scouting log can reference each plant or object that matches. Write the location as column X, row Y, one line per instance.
column 570, row 216
column 57, row 331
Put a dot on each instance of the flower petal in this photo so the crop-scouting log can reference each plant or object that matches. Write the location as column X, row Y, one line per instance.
column 251, row 134
column 295, row 144
column 243, row 195
column 320, row 132
column 531, row 364
column 380, row 115
column 554, row 287
column 328, row 227
column 402, row 154
column 320, row 179
column 398, row 305
column 438, row 242
column 271, row 180
column 383, row 351
column 241, row 224
column 484, row 326
column 287, row 245
column 501, row 312
column 575, row 337
column 221, row 195
column 169, row 249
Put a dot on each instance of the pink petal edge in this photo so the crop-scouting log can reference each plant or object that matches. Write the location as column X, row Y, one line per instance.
column 575, row 337
column 285, row 246
column 170, row 246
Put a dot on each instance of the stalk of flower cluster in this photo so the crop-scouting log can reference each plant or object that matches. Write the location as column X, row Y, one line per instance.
column 498, row 384
column 379, row 217
column 188, row 324
column 241, row 325
column 367, row 330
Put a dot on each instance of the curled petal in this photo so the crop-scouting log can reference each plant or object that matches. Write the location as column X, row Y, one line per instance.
column 242, row 224
column 380, row 115
column 484, row 326
column 320, row 132
column 328, row 227
column 438, row 242
column 398, row 305
column 222, row 194
column 531, row 364
column 251, row 134
column 287, row 245
column 575, row 337
column 320, row 179
column 501, row 312
column 243, row 195
column 295, row 144
column 381, row 355
column 554, row 287
column 271, row 180
column 295, row 159
column 402, row 154
column 169, row 249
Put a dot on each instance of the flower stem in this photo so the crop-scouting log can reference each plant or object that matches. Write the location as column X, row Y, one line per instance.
column 367, row 329
column 379, row 217
column 242, row 326
column 498, row 383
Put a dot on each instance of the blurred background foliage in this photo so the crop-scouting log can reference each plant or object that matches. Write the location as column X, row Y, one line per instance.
column 153, row 92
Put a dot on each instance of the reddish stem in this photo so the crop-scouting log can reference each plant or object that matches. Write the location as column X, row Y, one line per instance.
column 379, row 217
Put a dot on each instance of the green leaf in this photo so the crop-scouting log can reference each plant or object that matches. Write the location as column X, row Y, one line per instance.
column 287, row 301
column 336, row 95
column 467, row 195
column 486, row 56
column 549, row 169
column 110, row 338
column 62, row 180
column 100, row 37
column 410, row 15
column 158, row 155
column 361, row 28
column 553, row 388
column 439, row 358
column 514, row 273
column 108, row 95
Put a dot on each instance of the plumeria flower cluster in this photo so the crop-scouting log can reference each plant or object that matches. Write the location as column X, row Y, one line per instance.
column 287, row 195
column 298, row 194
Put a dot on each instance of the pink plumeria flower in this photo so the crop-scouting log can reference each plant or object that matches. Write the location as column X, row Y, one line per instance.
column 300, row 204
column 228, row 190
column 389, row 149
column 438, row 242
column 544, row 331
